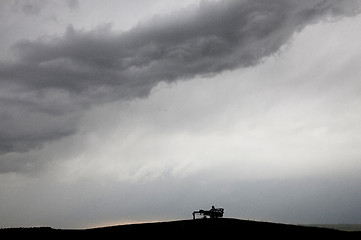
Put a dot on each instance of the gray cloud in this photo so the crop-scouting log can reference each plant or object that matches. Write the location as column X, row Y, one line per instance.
column 35, row 7
column 54, row 79
column 73, row 4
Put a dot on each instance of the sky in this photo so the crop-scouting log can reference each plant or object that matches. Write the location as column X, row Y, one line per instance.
column 120, row 111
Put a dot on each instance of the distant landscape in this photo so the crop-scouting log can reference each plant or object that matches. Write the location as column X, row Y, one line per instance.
column 219, row 227
column 342, row 227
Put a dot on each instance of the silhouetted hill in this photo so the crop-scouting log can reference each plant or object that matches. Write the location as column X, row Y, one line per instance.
column 222, row 227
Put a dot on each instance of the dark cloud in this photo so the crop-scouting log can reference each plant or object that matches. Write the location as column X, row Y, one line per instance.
column 54, row 79
column 29, row 7
column 35, row 7
column 73, row 4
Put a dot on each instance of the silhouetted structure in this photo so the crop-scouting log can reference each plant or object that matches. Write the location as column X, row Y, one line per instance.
column 212, row 213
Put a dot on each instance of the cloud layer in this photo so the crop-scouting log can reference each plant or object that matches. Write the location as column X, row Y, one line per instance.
column 53, row 80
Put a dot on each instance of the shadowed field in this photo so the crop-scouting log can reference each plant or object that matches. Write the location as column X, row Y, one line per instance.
column 222, row 227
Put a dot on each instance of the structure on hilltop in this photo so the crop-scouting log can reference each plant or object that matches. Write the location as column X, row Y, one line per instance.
column 212, row 213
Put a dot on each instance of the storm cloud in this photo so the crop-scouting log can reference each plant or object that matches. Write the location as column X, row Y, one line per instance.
column 53, row 80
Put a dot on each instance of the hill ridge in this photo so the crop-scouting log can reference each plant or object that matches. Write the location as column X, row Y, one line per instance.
column 189, row 228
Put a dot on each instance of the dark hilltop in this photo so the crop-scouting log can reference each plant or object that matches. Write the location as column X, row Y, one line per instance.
column 218, row 227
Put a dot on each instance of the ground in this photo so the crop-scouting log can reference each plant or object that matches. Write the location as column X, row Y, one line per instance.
column 221, row 227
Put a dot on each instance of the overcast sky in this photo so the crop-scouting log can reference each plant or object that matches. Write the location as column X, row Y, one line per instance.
column 124, row 111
